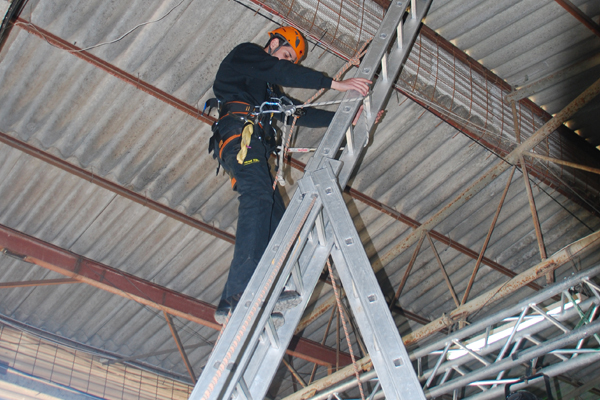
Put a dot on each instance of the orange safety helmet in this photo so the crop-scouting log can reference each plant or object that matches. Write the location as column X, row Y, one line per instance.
column 293, row 37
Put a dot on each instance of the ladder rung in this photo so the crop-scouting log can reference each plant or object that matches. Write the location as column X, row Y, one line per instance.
column 349, row 140
column 384, row 71
column 272, row 333
column 320, row 229
column 297, row 279
column 242, row 390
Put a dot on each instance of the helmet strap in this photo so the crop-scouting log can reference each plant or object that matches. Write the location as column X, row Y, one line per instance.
column 282, row 43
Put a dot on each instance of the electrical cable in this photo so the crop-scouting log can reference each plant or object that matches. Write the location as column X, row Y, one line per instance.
column 111, row 41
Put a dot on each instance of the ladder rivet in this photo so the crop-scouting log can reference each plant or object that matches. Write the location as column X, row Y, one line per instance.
column 349, row 241
column 347, row 109
column 383, row 35
column 366, row 70
column 372, row 298
column 399, row 3
column 217, row 365
column 398, row 362
column 276, row 247
column 326, row 151
column 328, row 190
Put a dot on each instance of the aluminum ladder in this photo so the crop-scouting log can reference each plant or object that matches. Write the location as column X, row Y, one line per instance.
column 317, row 225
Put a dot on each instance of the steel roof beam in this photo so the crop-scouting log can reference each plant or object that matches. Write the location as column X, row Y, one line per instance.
column 114, row 187
column 35, row 251
column 580, row 15
column 111, row 69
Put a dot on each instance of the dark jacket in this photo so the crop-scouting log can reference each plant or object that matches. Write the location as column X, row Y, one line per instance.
column 246, row 71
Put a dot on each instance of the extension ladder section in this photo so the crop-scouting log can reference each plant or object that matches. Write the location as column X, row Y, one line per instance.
column 315, row 226
column 505, row 346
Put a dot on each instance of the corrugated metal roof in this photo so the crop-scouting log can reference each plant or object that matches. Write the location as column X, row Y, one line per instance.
column 415, row 164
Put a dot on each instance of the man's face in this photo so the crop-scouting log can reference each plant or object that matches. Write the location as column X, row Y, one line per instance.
column 284, row 52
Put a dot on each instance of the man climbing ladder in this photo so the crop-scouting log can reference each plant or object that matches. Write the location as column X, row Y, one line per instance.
column 247, row 85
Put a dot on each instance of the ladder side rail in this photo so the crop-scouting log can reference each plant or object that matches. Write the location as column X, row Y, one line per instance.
column 539, row 297
column 381, row 92
column 216, row 374
column 273, row 358
column 250, row 360
column 328, row 148
column 314, row 257
column 375, row 322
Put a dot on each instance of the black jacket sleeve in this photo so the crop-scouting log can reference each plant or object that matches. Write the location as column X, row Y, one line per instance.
column 251, row 60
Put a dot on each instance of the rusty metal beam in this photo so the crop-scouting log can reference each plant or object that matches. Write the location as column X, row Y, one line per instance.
column 580, row 15
column 443, row 270
column 533, row 208
column 114, row 187
column 511, row 159
column 46, row 255
column 111, row 69
column 561, row 162
column 559, row 258
column 182, row 352
column 487, row 238
column 407, row 272
column 43, row 282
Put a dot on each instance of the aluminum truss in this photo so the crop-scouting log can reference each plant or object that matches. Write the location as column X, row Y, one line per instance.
column 479, row 360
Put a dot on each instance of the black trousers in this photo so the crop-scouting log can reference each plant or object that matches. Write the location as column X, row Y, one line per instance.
column 260, row 208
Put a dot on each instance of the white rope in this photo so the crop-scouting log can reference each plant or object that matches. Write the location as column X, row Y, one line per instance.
column 327, row 103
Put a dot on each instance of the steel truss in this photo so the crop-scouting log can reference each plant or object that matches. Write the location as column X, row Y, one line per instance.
column 476, row 362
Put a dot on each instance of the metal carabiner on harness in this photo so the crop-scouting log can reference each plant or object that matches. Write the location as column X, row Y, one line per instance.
column 282, row 105
column 288, row 109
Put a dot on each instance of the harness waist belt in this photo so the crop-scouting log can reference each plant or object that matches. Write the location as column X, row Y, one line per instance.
column 236, row 107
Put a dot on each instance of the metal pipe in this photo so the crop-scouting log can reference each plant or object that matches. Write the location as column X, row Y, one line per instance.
column 343, row 386
column 520, row 336
column 565, row 163
column 448, row 366
column 519, row 358
column 512, row 335
column 437, row 364
column 509, row 312
column 556, row 260
column 551, row 371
